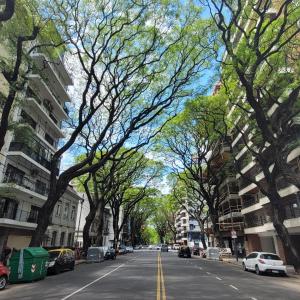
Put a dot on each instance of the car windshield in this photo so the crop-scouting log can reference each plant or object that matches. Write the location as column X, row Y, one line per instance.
column 270, row 256
column 93, row 251
column 53, row 255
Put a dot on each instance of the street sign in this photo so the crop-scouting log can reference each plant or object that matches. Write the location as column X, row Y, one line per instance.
column 233, row 234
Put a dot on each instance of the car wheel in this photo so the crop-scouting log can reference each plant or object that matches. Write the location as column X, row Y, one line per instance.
column 257, row 271
column 244, row 267
column 3, row 282
column 72, row 266
column 56, row 270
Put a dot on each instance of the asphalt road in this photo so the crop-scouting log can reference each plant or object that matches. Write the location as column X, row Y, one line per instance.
column 156, row 276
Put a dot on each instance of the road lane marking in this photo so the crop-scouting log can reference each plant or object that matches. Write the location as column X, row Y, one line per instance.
column 158, row 280
column 234, row 287
column 94, row 281
column 160, row 290
column 208, row 273
column 252, row 298
column 218, row 278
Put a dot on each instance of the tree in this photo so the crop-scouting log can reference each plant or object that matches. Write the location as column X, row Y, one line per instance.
column 188, row 197
column 131, row 184
column 8, row 10
column 139, row 218
column 22, row 34
column 262, row 60
column 136, row 60
column 192, row 143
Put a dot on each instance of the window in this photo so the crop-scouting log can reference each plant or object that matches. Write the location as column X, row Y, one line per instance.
column 33, row 215
column 252, row 255
column 8, row 208
column 49, row 139
column 269, row 256
column 70, row 239
column 40, row 187
column 73, row 212
column 27, row 119
column 62, row 239
column 14, row 175
column 58, row 209
column 53, row 239
column 66, row 211
column 192, row 226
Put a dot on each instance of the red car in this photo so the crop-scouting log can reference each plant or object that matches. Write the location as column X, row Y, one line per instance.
column 3, row 276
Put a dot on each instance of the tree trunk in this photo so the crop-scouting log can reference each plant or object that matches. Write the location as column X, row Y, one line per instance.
column 86, row 229
column 293, row 256
column 116, row 229
column 217, row 233
column 44, row 218
column 100, row 228
column 8, row 11
column 202, row 233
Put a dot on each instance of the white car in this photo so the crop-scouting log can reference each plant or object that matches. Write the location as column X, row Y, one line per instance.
column 261, row 262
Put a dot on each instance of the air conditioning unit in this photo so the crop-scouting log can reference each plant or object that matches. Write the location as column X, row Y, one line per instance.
column 34, row 172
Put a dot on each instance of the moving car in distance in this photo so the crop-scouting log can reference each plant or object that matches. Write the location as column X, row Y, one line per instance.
column 122, row 250
column 263, row 262
column 61, row 260
column 4, row 274
column 164, row 248
column 184, row 251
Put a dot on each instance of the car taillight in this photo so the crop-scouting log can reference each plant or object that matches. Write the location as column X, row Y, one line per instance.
column 261, row 261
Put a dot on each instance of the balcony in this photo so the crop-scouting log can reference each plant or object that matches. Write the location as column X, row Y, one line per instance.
column 33, row 152
column 18, row 219
column 48, row 71
column 35, row 186
column 45, row 115
column 37, row 83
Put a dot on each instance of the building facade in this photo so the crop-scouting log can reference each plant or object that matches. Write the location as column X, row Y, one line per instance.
column 260, row 234
column 187, row 228
column 26, row 155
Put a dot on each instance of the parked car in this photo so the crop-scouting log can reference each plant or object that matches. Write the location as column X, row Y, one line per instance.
column 212, row 253
column 122, row 250
column 196, row 250
column 263, row 262
column 4, row 274
column 176, row 246
column 164, row 248
column 184, row 251
column 60, row 260
column 138, row 247
column 129, row 249
column 110, row 253
column 95, row 254
column 158, row 247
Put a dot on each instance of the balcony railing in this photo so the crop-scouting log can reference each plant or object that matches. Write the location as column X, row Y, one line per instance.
column 19, row 215
column 32, row 153
column 27, row 183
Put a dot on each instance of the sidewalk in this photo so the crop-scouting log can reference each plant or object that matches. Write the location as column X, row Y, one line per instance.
column 80, row 261
column 225, row 260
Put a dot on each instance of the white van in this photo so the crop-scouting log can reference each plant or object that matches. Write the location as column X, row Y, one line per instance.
column 95, row 254
column 213, row 253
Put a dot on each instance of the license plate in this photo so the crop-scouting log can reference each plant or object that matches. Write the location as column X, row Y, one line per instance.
column 275, row 271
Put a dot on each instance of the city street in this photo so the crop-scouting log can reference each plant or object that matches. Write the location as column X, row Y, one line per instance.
column 155, row 275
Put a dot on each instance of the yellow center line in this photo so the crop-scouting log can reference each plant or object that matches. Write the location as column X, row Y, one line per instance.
column 161, row 290
column 158, row 279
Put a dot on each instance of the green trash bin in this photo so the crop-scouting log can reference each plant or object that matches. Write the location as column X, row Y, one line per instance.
column 28, row 264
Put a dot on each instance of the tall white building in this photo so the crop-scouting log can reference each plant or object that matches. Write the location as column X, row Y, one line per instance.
column 188, row 229
column 25, row 158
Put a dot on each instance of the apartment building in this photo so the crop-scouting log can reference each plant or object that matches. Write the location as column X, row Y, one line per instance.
column 25, row 158
column 230, row 217
column 260, row 234
column 187, row 228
